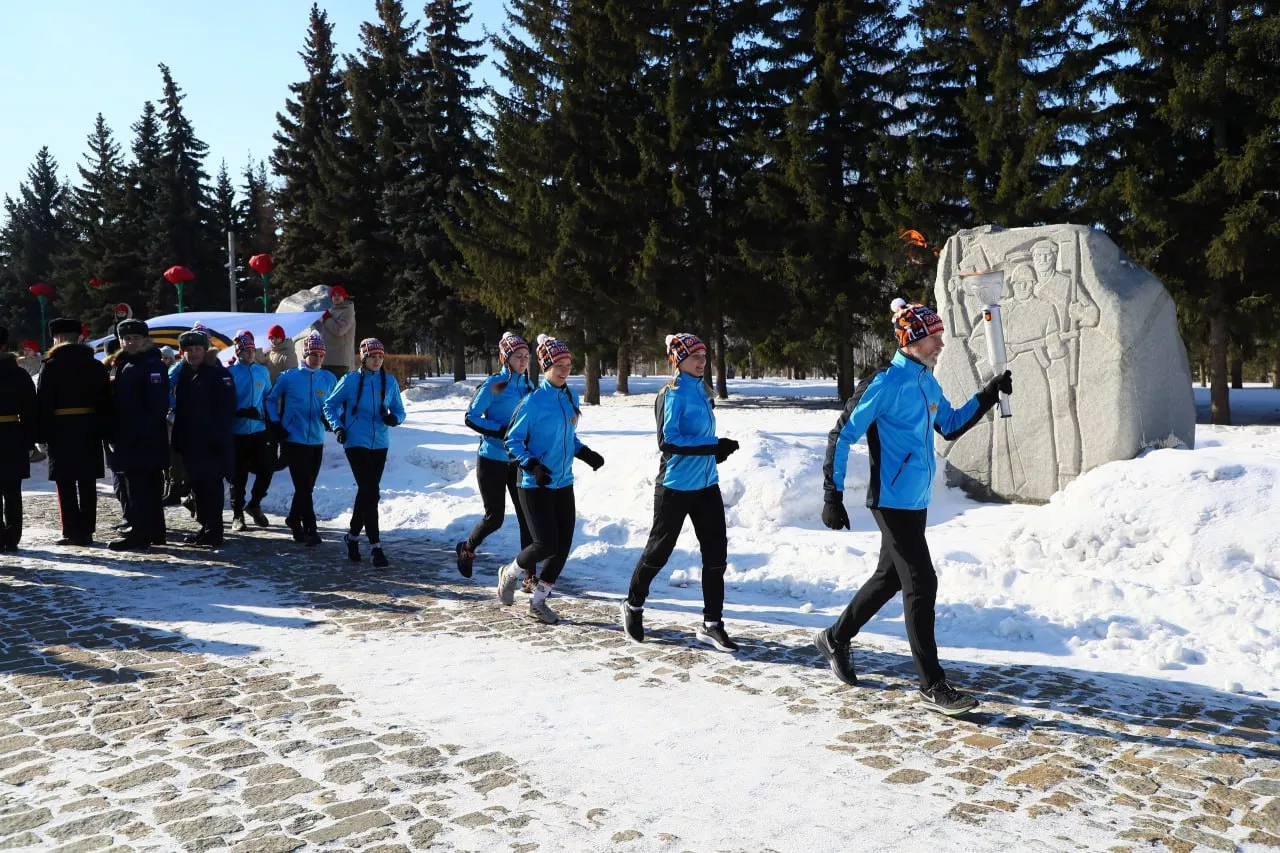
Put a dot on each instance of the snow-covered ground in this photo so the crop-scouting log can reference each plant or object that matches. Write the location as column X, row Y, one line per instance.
column 1166, row 565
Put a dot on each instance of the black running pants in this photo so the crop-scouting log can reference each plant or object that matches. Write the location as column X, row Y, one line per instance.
column 497, row 480
column 905, row 565
column 304, row 468
column 251, row 458
column 705, row 507
column 552, row 515
column 366, row 467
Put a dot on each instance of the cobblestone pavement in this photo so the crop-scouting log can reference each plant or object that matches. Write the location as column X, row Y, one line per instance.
column 174, row 749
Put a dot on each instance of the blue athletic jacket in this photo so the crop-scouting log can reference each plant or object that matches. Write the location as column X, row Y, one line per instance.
column 491, row 408
column 300, row 392
column 356, row 405
column 545, row 427
column 253, row 383
column 898, row 408
column 686, row 434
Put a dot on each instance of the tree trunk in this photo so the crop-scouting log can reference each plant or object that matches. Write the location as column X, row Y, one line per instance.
column 1275, row 370
column 1219, row 394
column 488, row 362
column 844, row 370
column 624, row 368
column 722, row 373
column 1237, row 373
column 459, row 357
column 591, row 393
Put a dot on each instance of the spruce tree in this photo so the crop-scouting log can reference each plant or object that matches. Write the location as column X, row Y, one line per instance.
column 1184, row 167
column 34, row 234
column 442, row 158
column 314, row 117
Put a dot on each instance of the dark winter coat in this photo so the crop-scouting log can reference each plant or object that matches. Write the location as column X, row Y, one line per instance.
column 73, row 412
column 140, row 440
column 203, row 411
column 17, row 418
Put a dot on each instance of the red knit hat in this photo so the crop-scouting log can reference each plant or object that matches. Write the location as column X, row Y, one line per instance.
column 275, row 332
column 551, row 350
column 313, row 343
column 913, row 322
column 681, row 345
column 336, row 291
column 511, row 344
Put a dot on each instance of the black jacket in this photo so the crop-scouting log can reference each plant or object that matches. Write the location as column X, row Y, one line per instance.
column 73, row 412
column 17, row 400
column 203, row 411
column 140, row 439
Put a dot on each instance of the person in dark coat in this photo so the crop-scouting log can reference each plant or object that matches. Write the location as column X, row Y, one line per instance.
column 17, row 437
column 73, row 415
column 204, row 408
column 139, row 443
column 114, row 365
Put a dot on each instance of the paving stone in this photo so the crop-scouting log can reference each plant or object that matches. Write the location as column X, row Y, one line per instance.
column 269, row 773
column 185, row 809
column 424, row 832
column 473, row 819
column 141, row 776
column 269, row 844
column 1041, row 776
column 275, row 792
column 101, row 822
column 85, row 845
column 353, row 807
column 76, row 741
column 906, row 777
column 24, row 820
column 349, row 826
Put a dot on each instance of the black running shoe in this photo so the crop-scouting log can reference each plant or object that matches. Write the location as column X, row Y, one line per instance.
column 632, row 621
column 465, row 559
column 380, row 560
column 255, row 512
column 353, row 548
column 129, row 543
column 311, row 539
column 839, row 657
column 714, row 635
column 945, row 699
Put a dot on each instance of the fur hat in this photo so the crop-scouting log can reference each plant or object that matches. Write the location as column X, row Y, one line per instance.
column 193, row 338
column 681, row 345
column 64, row 326
column 551, row 350
column 511, row 344
column 313, row 343
column 243, row 340
column 914, row 322
column 131, row 327
column 371, row 346
column 275, row 332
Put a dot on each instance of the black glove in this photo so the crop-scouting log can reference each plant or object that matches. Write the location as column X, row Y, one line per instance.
column 725, row 448
column 833, row 511
column 389, row 419
column 250, row 413
column 278, row 432
column 541, row 473
column 589, row 456
column 341, row 434
column 990, row 393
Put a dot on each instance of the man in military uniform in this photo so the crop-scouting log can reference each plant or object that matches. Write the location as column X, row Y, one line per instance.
column 17, row 434
column 73, row 415
column 204, row 408
column 139, row 441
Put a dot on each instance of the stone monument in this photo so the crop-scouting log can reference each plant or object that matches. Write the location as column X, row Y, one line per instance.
column 1099, row 369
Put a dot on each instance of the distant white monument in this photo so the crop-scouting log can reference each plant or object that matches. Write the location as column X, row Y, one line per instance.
column 1099, row 370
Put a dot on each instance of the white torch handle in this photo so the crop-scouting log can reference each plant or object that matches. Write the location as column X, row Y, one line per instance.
column 996, row 353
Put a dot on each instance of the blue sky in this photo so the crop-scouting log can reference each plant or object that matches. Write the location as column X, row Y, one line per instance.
column 64, row 61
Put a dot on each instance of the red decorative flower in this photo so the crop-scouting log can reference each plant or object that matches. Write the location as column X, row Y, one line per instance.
column 96, row 282
column 175, row 274
column 42, row 288
column 262, row 264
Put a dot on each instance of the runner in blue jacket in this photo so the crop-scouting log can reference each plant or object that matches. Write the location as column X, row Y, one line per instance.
column 254, row 452
column 543, row 440
column 489, row 414
column 295, row 414
column 898, row 409
column 361, row 410
column 688, row 486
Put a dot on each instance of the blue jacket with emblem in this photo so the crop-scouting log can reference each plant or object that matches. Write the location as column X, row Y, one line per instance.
column 297, row 402
column 491, row 408
column 357, row 403
column 253, row 383
column 898, row 408
column 545, row 427
column 686, row 420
